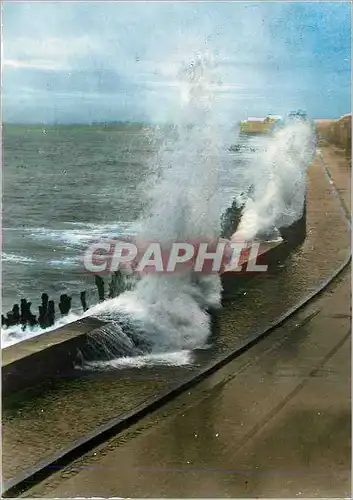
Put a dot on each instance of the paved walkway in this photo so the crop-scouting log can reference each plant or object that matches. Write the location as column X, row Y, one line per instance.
column 340, row 171
column 276, row 422
column 47, row 419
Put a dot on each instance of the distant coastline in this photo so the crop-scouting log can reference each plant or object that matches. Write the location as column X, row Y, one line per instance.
column 113, row 124
column 116, row 124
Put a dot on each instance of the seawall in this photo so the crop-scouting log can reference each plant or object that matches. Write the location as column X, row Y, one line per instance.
column 54, row 354
column 337, row 132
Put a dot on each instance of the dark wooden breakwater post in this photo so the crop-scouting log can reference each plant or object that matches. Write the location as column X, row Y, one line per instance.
column 100, row 287
column 22, row 315
column 83, row 301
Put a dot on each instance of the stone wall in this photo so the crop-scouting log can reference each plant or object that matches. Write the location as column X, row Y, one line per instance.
column 337, row 132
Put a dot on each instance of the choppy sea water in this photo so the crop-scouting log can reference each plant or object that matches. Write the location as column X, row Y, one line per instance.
column 64, row 186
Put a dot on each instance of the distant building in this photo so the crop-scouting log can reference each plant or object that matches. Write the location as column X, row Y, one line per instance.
column 257, row 125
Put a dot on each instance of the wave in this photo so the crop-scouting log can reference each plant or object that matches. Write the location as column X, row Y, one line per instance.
column 279, row 184
column 14, row 334
column 81, row 233
column 164, row 317
column 17, row 259
column 178, row 358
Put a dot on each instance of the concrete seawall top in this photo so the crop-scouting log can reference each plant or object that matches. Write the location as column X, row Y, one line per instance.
column 337, row 132
column 29, row 362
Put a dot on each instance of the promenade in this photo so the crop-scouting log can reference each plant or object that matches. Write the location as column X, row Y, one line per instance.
column 275, row 422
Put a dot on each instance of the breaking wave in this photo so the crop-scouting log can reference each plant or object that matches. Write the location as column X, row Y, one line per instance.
column 169, row 312
column 279, row 185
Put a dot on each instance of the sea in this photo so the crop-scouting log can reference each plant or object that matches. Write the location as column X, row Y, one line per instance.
column 67, row 185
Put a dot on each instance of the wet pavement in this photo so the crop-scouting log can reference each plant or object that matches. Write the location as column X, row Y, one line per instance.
column 275, row 422
column 341, row 174
column 41, row 424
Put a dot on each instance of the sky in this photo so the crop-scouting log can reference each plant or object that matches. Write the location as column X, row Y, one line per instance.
column 78, row 62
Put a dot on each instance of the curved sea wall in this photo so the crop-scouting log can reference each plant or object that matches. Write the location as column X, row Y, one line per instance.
column 337, row 132
column 56, row 353
column 45, row 356
column 180, row 312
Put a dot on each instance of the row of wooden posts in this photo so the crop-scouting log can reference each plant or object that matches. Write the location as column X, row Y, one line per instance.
column 21, row 314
